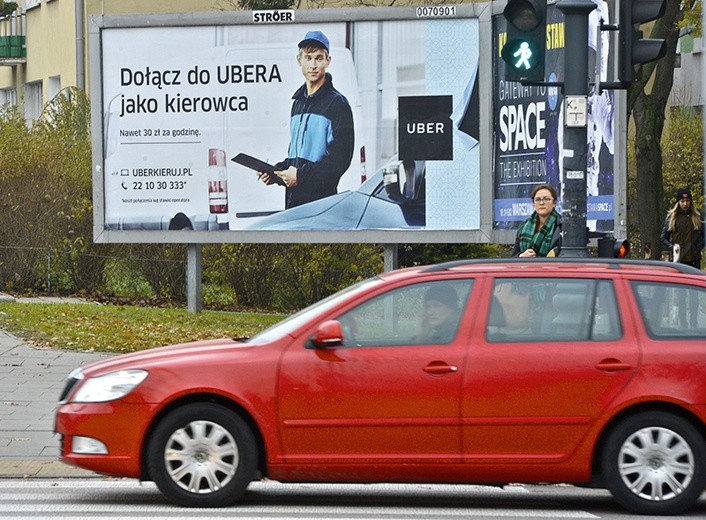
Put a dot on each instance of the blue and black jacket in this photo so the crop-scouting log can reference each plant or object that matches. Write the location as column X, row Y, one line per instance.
column 321, row 143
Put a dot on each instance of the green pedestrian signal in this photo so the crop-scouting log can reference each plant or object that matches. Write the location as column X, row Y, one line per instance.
column 524, row 49
column 520, row 55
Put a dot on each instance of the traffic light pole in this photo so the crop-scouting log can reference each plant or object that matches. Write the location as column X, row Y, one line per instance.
column 575, row 146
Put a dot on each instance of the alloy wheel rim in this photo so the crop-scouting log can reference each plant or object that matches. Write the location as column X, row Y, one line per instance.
column 201, row 457
column 656, row 464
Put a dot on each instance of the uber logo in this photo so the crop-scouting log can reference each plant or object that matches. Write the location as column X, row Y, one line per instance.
column 425, row 131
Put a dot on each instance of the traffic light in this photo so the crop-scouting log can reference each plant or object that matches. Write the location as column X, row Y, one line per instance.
column 523, row 52
column 609, row 247
column 633, row 48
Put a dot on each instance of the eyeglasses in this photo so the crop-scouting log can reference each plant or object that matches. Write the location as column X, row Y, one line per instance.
column 540, row 200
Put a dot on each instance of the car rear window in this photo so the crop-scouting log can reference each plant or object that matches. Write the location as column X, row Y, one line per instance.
column 670, row 310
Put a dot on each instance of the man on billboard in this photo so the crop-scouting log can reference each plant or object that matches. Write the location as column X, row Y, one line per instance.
column 320, row 127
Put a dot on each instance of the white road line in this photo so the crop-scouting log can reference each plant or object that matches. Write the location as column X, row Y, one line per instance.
column 130, row 500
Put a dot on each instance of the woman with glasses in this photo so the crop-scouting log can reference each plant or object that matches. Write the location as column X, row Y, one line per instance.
column 540, row 234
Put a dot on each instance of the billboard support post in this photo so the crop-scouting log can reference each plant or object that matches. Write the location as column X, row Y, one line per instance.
column 575, row 165
column 193, row 278
column 390, row 261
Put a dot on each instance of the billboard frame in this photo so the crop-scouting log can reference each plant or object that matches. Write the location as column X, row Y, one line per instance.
column 484, row 234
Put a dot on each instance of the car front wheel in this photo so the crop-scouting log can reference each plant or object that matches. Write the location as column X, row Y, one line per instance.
column 654, row 463
column 202, row 455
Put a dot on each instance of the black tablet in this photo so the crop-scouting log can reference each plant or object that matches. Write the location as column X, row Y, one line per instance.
column 259, row 166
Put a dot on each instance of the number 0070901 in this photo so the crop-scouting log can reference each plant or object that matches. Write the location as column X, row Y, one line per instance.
column 436, row 11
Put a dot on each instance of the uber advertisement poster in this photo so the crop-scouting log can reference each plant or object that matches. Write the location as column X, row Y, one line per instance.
column 215, row 128
column 529, row 132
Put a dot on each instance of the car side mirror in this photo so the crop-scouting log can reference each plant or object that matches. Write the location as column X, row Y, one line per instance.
column 328, row 334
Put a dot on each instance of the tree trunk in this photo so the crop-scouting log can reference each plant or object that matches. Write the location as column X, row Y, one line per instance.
column 648, row 110
column 649, row 121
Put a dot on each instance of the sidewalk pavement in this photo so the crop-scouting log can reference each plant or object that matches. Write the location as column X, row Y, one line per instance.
column 31, row 380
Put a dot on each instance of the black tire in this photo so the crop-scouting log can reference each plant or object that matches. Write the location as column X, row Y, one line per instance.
column 654, row 463
column 202, row 455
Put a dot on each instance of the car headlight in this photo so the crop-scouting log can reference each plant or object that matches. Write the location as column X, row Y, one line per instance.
column 109, row 387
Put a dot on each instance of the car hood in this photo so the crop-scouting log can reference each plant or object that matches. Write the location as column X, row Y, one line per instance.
column 146, row 358
column 340, row 211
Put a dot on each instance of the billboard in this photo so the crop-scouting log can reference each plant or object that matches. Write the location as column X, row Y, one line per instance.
column 218, row 127
column 529, row 123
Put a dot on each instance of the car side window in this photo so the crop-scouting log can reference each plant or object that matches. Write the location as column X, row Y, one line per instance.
column 606, row 323
column 671, row 311
column 419, row 314
column 542, row 309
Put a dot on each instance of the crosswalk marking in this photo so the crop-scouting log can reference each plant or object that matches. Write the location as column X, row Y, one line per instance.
column 61, row 499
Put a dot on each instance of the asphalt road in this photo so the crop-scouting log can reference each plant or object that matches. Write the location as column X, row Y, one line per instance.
column 128, row 500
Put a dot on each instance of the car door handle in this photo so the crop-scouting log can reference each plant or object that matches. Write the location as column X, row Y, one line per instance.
column 439, row 367
column 612, row 365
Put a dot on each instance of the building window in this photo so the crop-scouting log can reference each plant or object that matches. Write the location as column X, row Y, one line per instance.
column 53, row 86
column 34, row 103
column 8, row 95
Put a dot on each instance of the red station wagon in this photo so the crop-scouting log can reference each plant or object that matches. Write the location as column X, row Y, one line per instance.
column 583, row 371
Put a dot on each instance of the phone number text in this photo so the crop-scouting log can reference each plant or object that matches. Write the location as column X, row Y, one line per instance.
column 158, row 185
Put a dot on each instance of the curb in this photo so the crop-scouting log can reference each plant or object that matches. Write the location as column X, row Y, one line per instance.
column 42, row 469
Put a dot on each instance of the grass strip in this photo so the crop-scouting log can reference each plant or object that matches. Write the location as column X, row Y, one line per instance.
column 117, row 328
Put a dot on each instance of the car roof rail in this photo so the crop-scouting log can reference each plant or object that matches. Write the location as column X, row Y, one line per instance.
column 613, row 262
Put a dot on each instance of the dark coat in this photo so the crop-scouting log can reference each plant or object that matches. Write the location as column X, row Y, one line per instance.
column 697, row 238
column 555, row 243
column 321, row 143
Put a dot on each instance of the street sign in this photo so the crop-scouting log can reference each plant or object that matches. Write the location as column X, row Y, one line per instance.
column 576, row 111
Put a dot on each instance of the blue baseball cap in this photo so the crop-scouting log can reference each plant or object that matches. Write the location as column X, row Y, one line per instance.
column 314, row 39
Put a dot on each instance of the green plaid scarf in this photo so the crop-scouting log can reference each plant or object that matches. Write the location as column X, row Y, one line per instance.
column 541, row 240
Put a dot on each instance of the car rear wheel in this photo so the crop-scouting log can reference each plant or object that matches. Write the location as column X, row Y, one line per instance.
column 654, row 463
column 202, row 455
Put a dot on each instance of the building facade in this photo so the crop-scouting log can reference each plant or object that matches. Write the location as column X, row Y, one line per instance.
column 43, row 44
column 43, row 47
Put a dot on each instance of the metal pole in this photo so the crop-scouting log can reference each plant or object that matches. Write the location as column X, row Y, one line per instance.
column 390, row 258
column 193, row 278
column 49, row 272
column 80, row 55
column 575, row 165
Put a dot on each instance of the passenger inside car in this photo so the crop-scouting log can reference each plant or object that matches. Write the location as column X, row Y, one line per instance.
column 510, row 313
column 570, row 314
column 549, row 310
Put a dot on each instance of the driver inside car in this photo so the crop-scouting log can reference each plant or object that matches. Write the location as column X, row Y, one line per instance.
column 441, row 314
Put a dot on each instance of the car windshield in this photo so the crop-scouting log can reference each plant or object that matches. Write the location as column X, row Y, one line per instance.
column 294, row 321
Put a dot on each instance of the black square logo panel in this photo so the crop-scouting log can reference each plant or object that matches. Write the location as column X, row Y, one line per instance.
column 425, row 129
